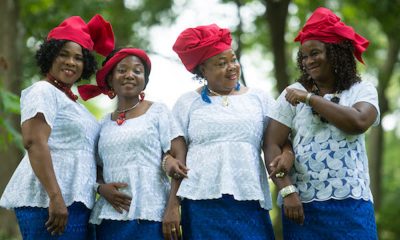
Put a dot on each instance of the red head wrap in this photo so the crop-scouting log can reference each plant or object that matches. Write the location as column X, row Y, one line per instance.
column 96, row 35
column 325, row 26
column 90, row 91
column 195, row 45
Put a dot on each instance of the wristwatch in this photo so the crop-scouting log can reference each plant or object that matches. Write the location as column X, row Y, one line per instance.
column 287, row 190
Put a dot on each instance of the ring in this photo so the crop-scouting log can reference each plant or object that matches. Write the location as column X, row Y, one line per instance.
column 280, row 174
column 177, row 175
column 173, row 229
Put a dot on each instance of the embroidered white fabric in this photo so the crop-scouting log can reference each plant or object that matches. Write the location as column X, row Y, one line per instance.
column 72, row 143
column 330, row 164
column 132, row 153
column 224, row 146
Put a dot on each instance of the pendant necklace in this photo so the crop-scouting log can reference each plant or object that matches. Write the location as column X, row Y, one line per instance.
column 122, row 114
column 225, row 100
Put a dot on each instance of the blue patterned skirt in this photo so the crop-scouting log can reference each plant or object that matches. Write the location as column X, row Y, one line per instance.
column 135, row 229
column 333, row 219
column 225, row 218
column 32, row 221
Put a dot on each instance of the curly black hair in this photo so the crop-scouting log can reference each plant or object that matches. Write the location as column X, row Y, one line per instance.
column 341, row 58
column 50, row 49
column 146, row 68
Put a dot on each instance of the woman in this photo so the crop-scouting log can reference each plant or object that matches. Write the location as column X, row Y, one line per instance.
column 327, row 112
column 132, row 184
column 51, row 190
column 226, row 194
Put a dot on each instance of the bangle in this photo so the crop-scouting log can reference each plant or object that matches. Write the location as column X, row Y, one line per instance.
column 164, row 163
column 287, row 190
column 308, row 97
column 96, row 187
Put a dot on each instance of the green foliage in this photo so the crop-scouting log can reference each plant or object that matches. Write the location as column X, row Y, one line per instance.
column 9, row 105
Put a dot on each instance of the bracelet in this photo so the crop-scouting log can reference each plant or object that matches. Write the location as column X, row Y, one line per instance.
column 309, row 95
column 287, row 190
column 164, row 163
column 96, row 187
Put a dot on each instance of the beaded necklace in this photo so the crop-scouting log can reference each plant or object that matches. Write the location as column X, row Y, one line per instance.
column 62, row 86
column 122, row 114
column 225, row 100
column 334, row 99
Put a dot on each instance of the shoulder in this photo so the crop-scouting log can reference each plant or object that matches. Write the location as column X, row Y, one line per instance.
column 40, row 87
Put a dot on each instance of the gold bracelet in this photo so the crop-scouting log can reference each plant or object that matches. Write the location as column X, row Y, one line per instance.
column 287, row 190
column 309, row 95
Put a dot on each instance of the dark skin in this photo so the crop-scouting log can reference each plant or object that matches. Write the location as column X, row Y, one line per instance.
column 352, row 120
column 128, row 80
column 67, row 67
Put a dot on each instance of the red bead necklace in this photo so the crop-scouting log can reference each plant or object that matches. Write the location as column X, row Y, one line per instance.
column 62, row 86
column 122, row 114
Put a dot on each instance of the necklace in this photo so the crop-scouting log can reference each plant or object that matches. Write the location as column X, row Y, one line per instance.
column 122, row 114
column 225, row 100
column 62, row 86
column 334, row 99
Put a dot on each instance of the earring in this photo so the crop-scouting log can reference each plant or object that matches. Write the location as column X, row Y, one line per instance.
column 237, row 88
column 141, row 96
column 111, row 93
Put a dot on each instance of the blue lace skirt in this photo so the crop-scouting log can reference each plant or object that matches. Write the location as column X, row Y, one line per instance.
column 135, row 229
column 32, row 221
column 225, row 218
column 333, row 219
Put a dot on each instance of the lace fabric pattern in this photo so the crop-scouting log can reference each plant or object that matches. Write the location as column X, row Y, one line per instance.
column 132, row 153
column 329, row 164
column 72, row 144
column 224, row 146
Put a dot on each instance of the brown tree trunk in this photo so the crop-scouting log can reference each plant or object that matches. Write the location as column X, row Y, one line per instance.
column 276, row 15
column 10, row 74
column 376, row 139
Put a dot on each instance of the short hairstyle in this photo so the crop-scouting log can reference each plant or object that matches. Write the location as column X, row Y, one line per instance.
column 344, row 67
column 50, row 49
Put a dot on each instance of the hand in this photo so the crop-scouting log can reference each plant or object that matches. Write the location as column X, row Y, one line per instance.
column 293, row 208
column 295, row 96
column 58, row 215
column 120, row 201
column 175, row 169
column 281, row 164
column 171, row 223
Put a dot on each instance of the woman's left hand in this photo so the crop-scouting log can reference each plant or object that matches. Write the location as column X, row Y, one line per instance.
column 281, row 164
column 295, row 96
column 175, row 169
column 171, row 223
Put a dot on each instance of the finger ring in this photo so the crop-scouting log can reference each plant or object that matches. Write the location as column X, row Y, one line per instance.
column 177, row 175
column 280, row 174
column 173, row 229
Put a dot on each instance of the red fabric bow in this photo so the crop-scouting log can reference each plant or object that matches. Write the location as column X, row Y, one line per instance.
column 96, row 35
column 89, row 91
column 323, row 25
column 195, row 45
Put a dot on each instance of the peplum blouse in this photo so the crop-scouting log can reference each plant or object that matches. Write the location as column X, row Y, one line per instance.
column 72, row 143
column 224, row 146
column 132, row 153
column 329, row 163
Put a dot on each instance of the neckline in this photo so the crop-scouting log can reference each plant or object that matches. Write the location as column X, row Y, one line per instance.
column 62, row 87
column 126, row 120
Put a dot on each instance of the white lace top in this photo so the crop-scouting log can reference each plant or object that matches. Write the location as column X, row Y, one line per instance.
column 132, row 153
column 72, row 141
column 330, row 164
column 224, row 146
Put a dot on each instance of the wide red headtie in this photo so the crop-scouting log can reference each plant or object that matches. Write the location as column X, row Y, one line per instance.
column 323, row 25
column 89, row 91
column 195, row 45
column 96, row 35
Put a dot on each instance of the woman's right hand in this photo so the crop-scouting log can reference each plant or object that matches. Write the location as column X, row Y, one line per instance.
column 293, row 208
column 58, row 215
column 120, row 201
column 281, row 164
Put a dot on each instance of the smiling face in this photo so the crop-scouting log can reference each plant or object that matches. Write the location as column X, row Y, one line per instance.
column 67, row 67
column 315, row 61
column 222, row 71
column 127, row 78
